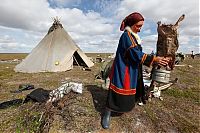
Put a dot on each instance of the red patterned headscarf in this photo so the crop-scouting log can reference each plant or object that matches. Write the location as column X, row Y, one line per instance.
column 131, row 19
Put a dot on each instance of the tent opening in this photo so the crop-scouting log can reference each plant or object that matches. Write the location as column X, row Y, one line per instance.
column 78, row 60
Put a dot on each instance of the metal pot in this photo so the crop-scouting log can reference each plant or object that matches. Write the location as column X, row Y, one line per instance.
column 161, row 76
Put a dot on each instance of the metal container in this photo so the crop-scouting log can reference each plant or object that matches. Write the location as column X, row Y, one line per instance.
column 161, row 76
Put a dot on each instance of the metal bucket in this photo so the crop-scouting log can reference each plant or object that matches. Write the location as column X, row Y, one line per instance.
column 161, row 76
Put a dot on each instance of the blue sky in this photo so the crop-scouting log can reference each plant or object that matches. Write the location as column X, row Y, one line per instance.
column 94, row 24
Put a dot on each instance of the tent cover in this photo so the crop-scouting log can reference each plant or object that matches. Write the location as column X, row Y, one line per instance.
column 55, row 52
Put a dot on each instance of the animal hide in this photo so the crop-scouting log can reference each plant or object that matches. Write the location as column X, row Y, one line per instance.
column 167, row 43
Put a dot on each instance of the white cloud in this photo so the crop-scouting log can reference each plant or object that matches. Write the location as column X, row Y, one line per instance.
column 167, row 12
column 35, row 16
column 23, row 14
column 8, row 43
column 26, row 22
column 149, row 43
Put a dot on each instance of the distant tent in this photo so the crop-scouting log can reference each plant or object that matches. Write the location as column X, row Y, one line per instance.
column 55, row 52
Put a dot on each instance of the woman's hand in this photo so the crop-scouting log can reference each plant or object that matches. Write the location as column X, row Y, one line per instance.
column 162, row 61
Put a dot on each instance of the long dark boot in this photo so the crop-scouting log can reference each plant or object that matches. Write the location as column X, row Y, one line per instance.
column 105, row 122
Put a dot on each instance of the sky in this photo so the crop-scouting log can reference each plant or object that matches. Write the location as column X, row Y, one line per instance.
column 94, row 24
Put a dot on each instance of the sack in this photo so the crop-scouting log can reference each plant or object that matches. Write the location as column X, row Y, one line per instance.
column 38, row 95
column 106, row 69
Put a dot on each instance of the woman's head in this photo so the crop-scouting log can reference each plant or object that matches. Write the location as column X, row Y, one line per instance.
column 134, row 20
column 137, row 27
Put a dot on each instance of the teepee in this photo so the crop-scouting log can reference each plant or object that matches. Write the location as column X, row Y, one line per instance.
column 55, row 52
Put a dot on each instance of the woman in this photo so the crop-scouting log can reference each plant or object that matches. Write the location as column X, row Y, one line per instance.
column 126, row 73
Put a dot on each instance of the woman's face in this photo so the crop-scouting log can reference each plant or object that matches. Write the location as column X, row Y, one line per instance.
column 137, row 27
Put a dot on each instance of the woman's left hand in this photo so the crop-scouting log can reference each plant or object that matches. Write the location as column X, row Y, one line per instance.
column 162, row 61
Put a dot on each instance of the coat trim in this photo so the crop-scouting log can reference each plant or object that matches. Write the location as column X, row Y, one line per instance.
column 122, row 91
column 143, row 58
column 132, row 40
column 134, row 34
column 134, row 45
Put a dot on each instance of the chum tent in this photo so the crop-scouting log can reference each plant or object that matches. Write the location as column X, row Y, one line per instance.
column 55, row 52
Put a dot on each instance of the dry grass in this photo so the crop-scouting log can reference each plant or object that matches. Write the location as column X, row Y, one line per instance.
column 178, row 112
column 11, row 56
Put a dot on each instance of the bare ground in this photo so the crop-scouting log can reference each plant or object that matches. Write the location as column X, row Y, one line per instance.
column 177, row 113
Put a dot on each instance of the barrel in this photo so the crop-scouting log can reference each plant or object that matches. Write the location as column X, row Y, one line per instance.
column 161, row 76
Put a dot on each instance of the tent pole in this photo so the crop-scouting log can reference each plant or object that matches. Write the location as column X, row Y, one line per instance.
column 76, row 60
